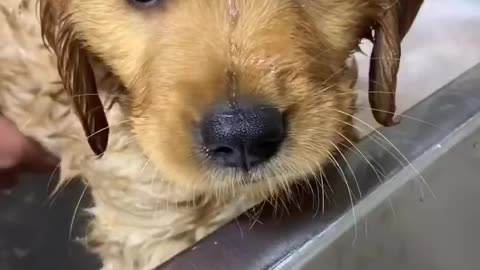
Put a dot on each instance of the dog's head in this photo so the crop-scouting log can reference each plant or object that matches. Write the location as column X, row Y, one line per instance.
column 224, row 93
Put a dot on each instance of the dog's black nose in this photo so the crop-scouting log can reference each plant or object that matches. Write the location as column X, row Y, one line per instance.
column 242, row 135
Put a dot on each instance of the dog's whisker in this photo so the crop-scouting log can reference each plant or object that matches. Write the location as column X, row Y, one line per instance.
column 106, row 128
column 321, row 53
column 349, row 168
column 77, row 206
column 349, row 190
column 255, row 218
column 152, row 179
column 158, row 200
column 273, row 201
column 315, row 175
column 358, row 152
column 317, row 197
column 293, row 199
column 130, row 139
column 343, row 68
column 284, row 186
column 326, row 183
column 403, row 116
column 385, row 58
column 403, row 157
column 257, row 212
column 52, row 175
column 107, row 95
column 144, row 167
column 58, row 189
column 322, row 186
column 322, row 90
column 378, row 173
column 284, row 205
column 307, row 177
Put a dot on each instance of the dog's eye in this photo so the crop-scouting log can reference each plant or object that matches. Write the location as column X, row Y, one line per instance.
column 144, row 3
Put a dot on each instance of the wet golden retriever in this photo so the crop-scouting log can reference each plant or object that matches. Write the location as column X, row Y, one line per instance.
column 179, row 115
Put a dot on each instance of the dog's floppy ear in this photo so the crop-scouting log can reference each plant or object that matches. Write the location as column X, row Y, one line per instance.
column 76, row 72
column 389, row 30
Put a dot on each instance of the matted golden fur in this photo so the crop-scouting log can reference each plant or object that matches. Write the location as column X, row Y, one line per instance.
column 141, row 78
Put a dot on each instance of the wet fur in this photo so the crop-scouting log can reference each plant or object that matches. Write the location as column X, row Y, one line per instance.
column 135, row 83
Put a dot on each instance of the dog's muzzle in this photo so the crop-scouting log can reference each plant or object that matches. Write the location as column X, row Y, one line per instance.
column 242, row 134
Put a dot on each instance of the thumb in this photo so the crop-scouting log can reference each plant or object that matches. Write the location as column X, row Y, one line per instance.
column 35, row 158
column 20, row 152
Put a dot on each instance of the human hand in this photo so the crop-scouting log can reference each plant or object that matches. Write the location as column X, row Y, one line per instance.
column 20, row 154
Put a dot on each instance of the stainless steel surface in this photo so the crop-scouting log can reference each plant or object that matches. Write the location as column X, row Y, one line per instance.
column 307, row 239
column 399, row 226
column 408, row 232
column 40, row 234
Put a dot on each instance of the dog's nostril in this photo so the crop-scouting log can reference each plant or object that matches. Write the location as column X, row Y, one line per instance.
column 222, row 150
column 242, row 137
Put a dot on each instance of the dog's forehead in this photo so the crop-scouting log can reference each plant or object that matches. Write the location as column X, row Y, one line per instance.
column 229, row 7
column 121, row 33
column 113, row 15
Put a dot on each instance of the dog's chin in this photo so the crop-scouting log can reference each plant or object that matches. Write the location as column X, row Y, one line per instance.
column 242, row 178
column 262, row 182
